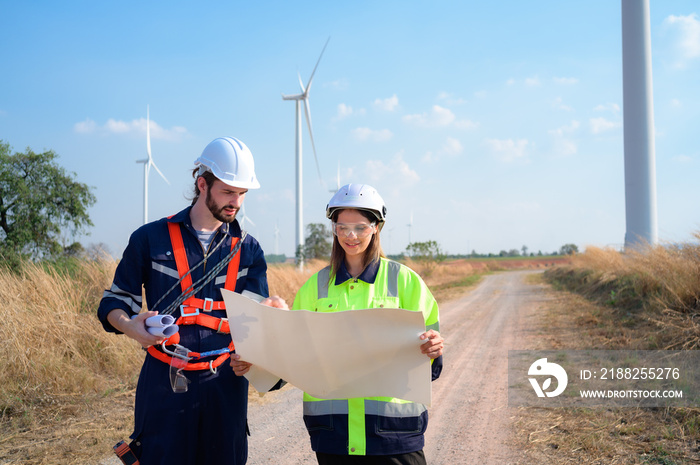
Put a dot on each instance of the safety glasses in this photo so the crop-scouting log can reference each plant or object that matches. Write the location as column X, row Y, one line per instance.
column 360, row 230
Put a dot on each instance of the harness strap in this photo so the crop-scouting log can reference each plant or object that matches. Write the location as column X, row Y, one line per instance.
column 193, row 304
column 193, row 366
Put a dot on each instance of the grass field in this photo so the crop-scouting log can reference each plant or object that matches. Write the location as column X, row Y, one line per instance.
column 67, row 393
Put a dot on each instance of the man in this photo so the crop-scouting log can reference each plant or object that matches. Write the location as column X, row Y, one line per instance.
column 190, row 406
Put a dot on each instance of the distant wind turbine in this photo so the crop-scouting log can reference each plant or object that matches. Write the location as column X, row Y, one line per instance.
column 303, row 97
column 277, row 238
column 337, row 181
column 244, row 218
column 410, row 225
column 147, row 163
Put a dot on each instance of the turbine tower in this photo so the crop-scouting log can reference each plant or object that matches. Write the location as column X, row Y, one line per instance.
column 638, row 117
column 302, row 97
column 147, row 163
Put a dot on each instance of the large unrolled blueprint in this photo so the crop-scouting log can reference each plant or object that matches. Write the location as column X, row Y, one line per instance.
column 356, row 353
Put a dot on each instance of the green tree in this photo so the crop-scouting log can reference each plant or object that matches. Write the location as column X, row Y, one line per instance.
column 428, row 251
column 568, row 249
column 38, row 201
column 318, row 242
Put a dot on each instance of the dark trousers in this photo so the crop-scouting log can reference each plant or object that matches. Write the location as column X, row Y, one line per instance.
column 412, row 458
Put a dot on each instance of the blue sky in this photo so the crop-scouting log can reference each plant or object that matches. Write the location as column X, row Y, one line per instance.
column 492, row 125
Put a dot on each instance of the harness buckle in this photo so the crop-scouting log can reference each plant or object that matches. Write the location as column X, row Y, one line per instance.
column 221, row 323
column 208, row 304
column 195, row 311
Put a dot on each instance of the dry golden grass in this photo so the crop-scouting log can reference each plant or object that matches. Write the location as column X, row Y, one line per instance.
column 67, row 385
column 657, row 286
column 645, row 299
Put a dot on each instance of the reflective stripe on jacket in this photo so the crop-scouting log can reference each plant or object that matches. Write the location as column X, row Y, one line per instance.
column 372, row 425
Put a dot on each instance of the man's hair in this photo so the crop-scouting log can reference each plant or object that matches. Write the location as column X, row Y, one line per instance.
column 373, row 252
column 208, row 177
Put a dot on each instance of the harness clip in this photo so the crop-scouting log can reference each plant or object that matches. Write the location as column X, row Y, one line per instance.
column 195, row 311
column 208, row 304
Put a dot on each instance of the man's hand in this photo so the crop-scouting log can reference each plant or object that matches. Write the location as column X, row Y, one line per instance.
column 275, row 301
column 135, row 327
column 239, row 366
column 434, row 345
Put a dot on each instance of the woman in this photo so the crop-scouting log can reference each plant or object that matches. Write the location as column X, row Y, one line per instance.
column 377, row 430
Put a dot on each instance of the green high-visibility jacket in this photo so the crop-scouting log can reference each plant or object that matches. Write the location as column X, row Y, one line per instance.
column 370, row 425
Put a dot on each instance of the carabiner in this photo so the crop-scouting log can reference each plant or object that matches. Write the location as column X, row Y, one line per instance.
column 175, row 353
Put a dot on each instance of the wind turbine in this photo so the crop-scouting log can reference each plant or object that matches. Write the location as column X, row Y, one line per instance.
column 244, row 218
column 277, row 238
column 410, row 225
column 147, row 163
column 303, row 97
column 337, row 181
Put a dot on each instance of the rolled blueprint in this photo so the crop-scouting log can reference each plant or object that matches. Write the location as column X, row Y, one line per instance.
column 161, row 325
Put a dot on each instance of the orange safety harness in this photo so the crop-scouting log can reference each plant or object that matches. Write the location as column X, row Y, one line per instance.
column 191, row 308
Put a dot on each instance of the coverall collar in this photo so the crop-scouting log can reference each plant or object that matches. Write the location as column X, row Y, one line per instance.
column 232, row 229
column 368, row 275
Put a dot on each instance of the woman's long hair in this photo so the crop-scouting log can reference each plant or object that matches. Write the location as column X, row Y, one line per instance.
column 374, row 250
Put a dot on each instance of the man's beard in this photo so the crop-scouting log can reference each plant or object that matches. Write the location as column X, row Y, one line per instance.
column 218, row 212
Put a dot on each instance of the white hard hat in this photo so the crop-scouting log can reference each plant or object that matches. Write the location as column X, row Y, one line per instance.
column 230, row 161
column 359, row 197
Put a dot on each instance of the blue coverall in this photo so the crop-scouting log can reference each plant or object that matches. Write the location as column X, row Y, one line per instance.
column 208, row 423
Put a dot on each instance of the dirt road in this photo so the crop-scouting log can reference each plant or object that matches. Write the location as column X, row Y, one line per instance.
column 469, row 417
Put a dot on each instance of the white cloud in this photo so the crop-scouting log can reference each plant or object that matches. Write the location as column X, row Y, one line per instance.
column 686, row 30
column 480, row 94
column 507, row 150
column 345, row 111
column 565, row 81
column 387, row 104
column 438, row 117
column 612, row 107
column 450, row 99
column 466, row 124
column 561, row 145
column 676, row 103
column 559, row 104
column 510, row 82
column 339, row 84
column 367, row 134
column 566, row 129
column 85, row 127
column 533, row 81
column 601, row 124
column 134, row 127
column 397, row 168
column 683, row 159
column 452, row 146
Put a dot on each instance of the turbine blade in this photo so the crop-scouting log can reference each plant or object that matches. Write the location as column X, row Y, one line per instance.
column 245, row 217
column 161, row 174
column 301, row 84
column 148, row 133
column 308, row 86
column 307, row 110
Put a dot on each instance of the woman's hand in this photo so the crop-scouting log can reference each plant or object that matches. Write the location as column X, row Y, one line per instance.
column 434, row 345
column 275, row 301
column 239, row 366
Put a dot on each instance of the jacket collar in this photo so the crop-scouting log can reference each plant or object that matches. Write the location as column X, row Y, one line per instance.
column 232, row 229
column 368, row 275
